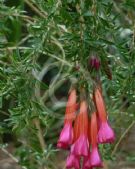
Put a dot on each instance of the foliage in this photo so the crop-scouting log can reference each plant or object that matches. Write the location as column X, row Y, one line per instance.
column 44, row 47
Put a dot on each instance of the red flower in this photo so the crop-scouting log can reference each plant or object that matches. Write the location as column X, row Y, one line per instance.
column 66, row 136
column 81, row 144
column 106, row 133
column 95, row 157
column 87, row 162
column 71, row 107
column 73, row 162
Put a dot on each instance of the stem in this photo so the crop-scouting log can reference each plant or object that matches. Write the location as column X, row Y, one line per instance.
column 36, row 10
column 121, row 138
column 40, row 134
column 82, row 26
column 15, row 47
column 3, row 112
column 11, row 156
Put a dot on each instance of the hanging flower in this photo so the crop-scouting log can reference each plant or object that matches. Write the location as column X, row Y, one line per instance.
column 87, row 162
column 76, row 128
column 81, row 145
column 95, row 157
column 106, row 133
column 73, row 162
column 89, row 131
column 66, row 136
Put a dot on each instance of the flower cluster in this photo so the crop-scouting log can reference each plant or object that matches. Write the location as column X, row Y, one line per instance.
column 83, row 133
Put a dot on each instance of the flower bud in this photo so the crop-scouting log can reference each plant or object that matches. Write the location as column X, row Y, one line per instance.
column 94, row 63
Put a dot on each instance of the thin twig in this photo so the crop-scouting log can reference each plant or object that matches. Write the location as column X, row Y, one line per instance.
column 82, row 70
column 3, row 112
column 40, row 134
column 24, row 17
column 36, row 10
column 23, row 40
column 12, row 157
column 15, row 47
column 122, row 137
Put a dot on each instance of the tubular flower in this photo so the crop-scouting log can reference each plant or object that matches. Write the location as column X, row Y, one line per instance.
column 66, row 136
column 89, row 131
column 87, row 162
column 76, row 128
column 71, row 107
column 73, row 162
column 95, row 157
column 81, row 144
column 106, row 133
column 84, row 135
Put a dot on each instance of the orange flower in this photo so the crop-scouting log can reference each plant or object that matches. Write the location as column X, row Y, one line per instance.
column 94, row 129
column 81, row 144
column 66, row 135
column 71, row 107
column 100, row 105
column 105, row 133
column 95, row 157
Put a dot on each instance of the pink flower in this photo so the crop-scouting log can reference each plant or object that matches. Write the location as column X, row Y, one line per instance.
column 66, row 136
column 81, row 144
column 105, row 133
column 72, row 162
column 95, row 158
column 87, row 162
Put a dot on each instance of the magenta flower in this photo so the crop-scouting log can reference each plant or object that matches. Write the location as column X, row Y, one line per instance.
column 81, row 143
column 87, row 162
column 81, row 146
column 72, row 162
column 105, row 133
column 95, row 158
column 66, row 136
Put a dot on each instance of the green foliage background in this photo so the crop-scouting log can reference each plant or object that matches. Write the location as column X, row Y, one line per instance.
column 42, row 42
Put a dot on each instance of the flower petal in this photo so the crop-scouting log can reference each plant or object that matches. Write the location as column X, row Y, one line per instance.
column 72, row 162
column 95, row 158
column 87, row 162
column 81, row 146
column 106, row 133
column 66, row 136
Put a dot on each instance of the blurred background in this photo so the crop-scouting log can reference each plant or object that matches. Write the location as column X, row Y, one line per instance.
column 43, row 45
